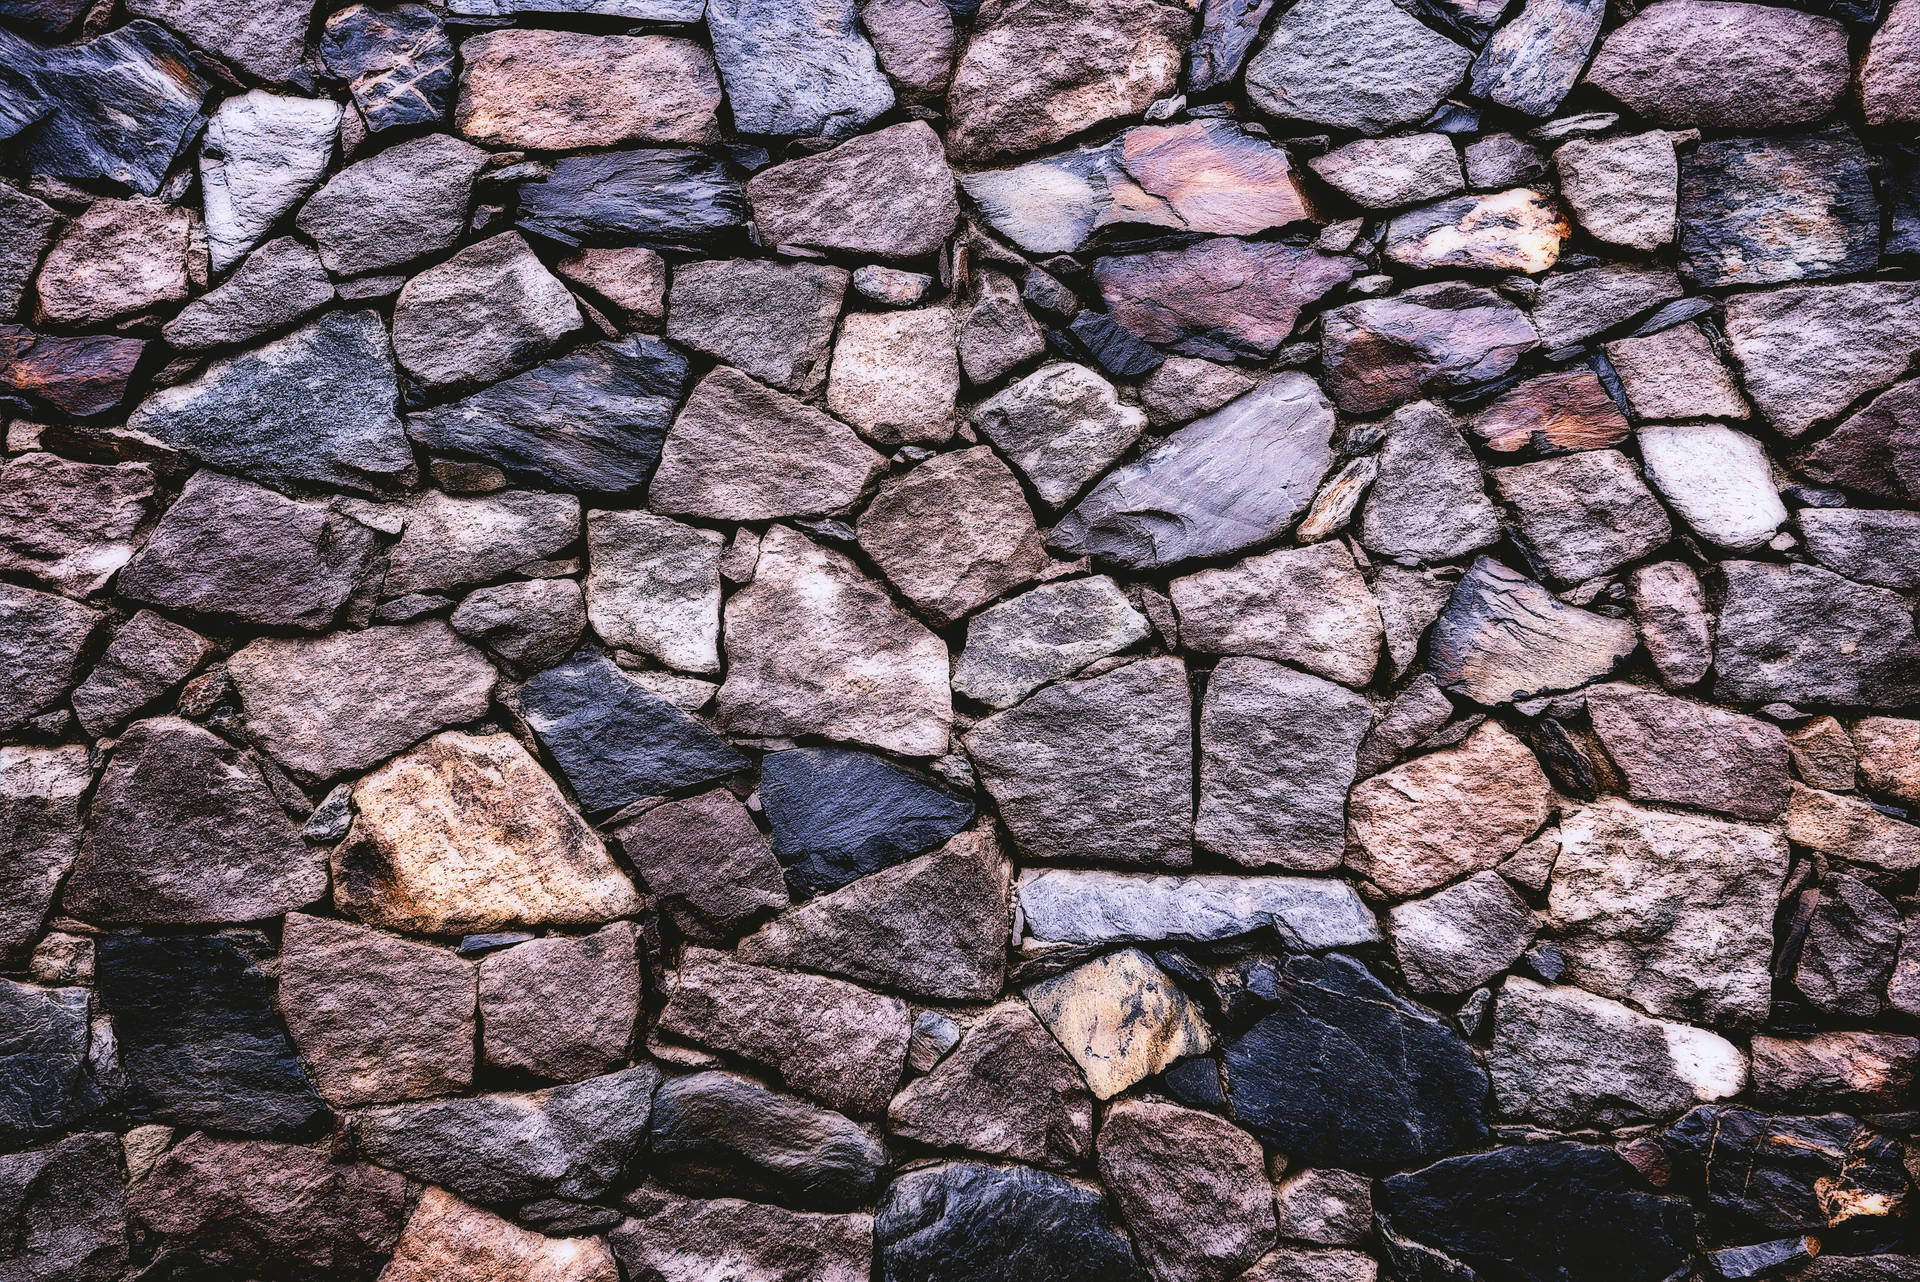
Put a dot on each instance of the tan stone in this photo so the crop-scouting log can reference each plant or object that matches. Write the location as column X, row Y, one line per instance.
column 447, row 1240
column 557, row 90
column 631, row 277
column 1307, row 606
column 1842, row 1070
column 1890, row 757
column 1120, row 1018
column 1851, row 829
column 896, row 375
column 1823, row 754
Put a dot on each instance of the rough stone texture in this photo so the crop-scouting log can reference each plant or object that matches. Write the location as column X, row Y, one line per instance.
column 1670, row 610
column 674, row 193
column 42, row 639
column 1623, row 190
column 1061, row 425
column 1759, row 211
column 896, row 374
column 40, row 794
column 1042, row 635
column 1800, row 632
column 1369, row 67
column 1533, row 59
column 529, row 624
column 555, row 90
column 966, row 1222
column 654, row 587
column 452, row 542
column 773, row 321
column 679, row 1239
column 887, row 193
column 1880, row 547
column 489, row 311
column 278, row 284
column 1503, row 637
column 1121, row 1018
column 797, row 69
column 404, row 203
column 1383, row 352
column 398, row 63
column 70, row 525
column 263, row 153
column 1518, row 230
column 1580, row 304
column 715, row 1133
column 1386, row 173
column 29, row 225
column 1584, row 515
column 1852, row 829
column 1460, row 938
column 1222, row 298
column 1717, row 479
column 837, row 814
column 1093, row 907
column 446, row 1238
column 1689, row 754
column 1809, row 353
column 44, row 1083
column 1191, row 1187
column 561, row 1007
column 1890, row 756
column 1675, row 374
column 710, row 867
column 117, row 258
column 1848, row 952
column 1833, row 1070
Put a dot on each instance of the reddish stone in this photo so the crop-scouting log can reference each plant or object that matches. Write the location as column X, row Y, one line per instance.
column 1553, row 414
column 1220, row 298
column 81, row 376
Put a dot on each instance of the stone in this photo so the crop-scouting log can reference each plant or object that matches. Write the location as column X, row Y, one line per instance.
column 1042, row 635
column 1462, row 937
column 1095, row 907
column 452, row 542
column 1191, row 1187
column 1228, row 30
column 1446, row 336
column 527, row 625
column 1238, row 477
column 670, row 193
column 1501, row 160
column 1036, row 72
column 631, row 278
column 1830, row 1071
column 709, row 867
column 40, row 826
column 1503, row 637
column 258, row 1204
column 317, row 405
column 400, row 204
column 1121, row 1019
column 117, row 258
column 1872, row 451
column 562, row 1007
column 29, row 225
column 234, row 552
column 1718, row 479
column 797, row 70
column 466, row 833
column 1878, row 547
column 1672, row 912
column 42, row 639
column 1759, row 211
column 186, row 831
column 1461, row 810
column 264, row 40
column 592, row 421
column 1847, row 954
column 680, row 1239
column 718, row 1134
column 1342, row 1071
column 1670, row 608
column 1531, row 62
column 616, row 742
column 446, row 1238
column 83, row 376
column 1184, row 388
column 277, row 285
column 565, row 1141
column 1326, row 1207
column 997, row 336
column 263, row 153
column 375, row 1018
column 1517, row 230
column 822, row 1037
column 741, row 452
column 896, row 375
column 397, row 62
column 815, row 647
column 934, row 927
column 199, row 1040
column 45, row 1086
column 1277, row 755
column 681, row 11
column 1061, row 426
column 71, row 525
column 1414, row 716
column 66, row 1212
column 1559, row 1211
column 1007, row 1091
column 1577, row 305
column 914, row 41
column 489, row 311
column 1222, row 298
column 1852, row 829
column 1690, row 754
column 968, row 1222
column 1719, row 65
column 1624, row 191
column 1428, row 502
column 1305, row 1264
column 773, row 321
column 1584, row 515
column 888, row 194
column 1886, row 73
column 654, row 586
column 561, row 90
column 1890, row 756
column 1367, row 67
column 1675, row 374
column 1801, row 633
column 838, row 815
column 1823, row 754
column 1809, row 353
column 1387, row 173
column 1096, row 768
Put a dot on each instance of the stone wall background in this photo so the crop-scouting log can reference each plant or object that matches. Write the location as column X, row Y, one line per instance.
column 1043, row 640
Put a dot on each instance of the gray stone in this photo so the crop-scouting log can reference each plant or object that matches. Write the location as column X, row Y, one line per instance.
column 1584, row 515
column 263, row 153
column 1624, row 191
column 1185, row 387
column 1690, row 754
column 717, row 1134
column 710, row 868
column 115, row 259
column 1808, row 353
column 71, row 525
column 797, row 69
column 45, row 1085
column 1440, row 337
column 66, row 1210
column 896, row 375
column 1848, row 952
column 1531, row 62
column 28, row 226
column 679, row 1239
column 1760, row 211
column 400, row 204
column 264, row 40
column 1386, row 173
column 1454, row 941
column 1879, row 547
column 1191, row 1187
column 914, row 40
column 453, row 542
column 278, row 284
column 527, row 625
column 888, row 193
column 1887, row 82
column 1410, row 599
column 997, row 335
column 654, row 586
column 1804, row 634
column 1577, row 305
column 42, row 639
column 1497, row 161
column 1417, row 712
column 1072, row 906
column 562, row 90
column 40, row 794
column 1308, row 606
column 1675, row 374
column 1718, row 479
column 1429, row 501
column 1061, row 425
column 1367, row 66
column 489, row 311
column 445, row 1234
column 562, row 1007
column 1503, row 637
column 771, row 320
column 1043, row 635
column 1670, row 608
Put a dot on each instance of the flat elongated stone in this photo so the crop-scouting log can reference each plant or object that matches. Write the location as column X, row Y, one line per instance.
column 666, row 193
column 400, row 204
column 1460, row 938
column 681, row 1239
column 1191, row 1187
column 1428, row 501
column 489, row 311
column 710, row 867
column 1675, row 374
column 1367, row 66
column 1446, row 336
column 1517, row 230
column 1852, row 829
column 802, row 69
column 1121, row 1018
column 40, row 826
column 1761, row 1175
column 1307, row 606
column 715, row 1133
column 773, row 321
column 71, row 525
column 263, row 153
column 559, row 90
column 838, row 815
column 1221, row 298
column 445, row 1236
column 1759, row 211
column 117, row 258
column 397, row 62
column 1061, row 425
column 1689, row 754
column 1584, row 515
column 276, row 285
column 654, row 587
column 562, row 1007
column 1091, row 907
column 455, row 542
column 265, row 40
column 1503, row 637
column 1838, row 1070
column 1531, row 62
column 42, row 638
column 83, row 376
column 966, row 1222
column 887, row 193
column 1809, row 353
column 896, row 375
column 1868, row 546
column 1799, row 632
column 1577, row 305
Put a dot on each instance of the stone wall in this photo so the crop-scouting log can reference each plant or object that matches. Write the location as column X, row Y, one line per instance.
column 959, row 640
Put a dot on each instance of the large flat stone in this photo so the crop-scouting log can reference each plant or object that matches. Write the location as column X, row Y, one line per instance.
column 1075, row 906
column 682, row 1239
column 968, row 1222
column 838, row 815
column 1809, row 353
column 1367, row 66
column 562, row 90
column 1223, row 298
column 1690, row 754
column 888, row 193
column 803, row 69
column 1503, row 637
column 1798, row 632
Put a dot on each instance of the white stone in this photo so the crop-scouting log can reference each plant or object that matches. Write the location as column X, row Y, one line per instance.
column 1078, row 906
column 1717, row 479
column 653, row 585
column 262, row 154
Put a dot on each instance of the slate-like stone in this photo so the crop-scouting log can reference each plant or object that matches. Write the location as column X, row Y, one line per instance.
column 1094, row 907
column 1460, row 938
column 1516, row 230
column 1801, row 633
column 705, row 861
column 42, row 639
column 66, row 1211
column 562, row 1007
column 71, row 525
column 185, row 831
column 1584, row 515
column 403, row 203
column 397, row 62
column 1848, row 952
column 665, row 193
column 1121, row 1018
column 1675, row 374
column 896, row 375
column 1223, row 298
column 771, row 320
column 263, row 153
column 1061, row 425
column 117, row 258
column 1574, row 306
column 45, row 1083
column 1760, row 211
column 888, row 193
column 679, row 1239
column 1503, row 637
column 1531, row 62
column 1414, row 716
column 1690, row 754
column 1228, row 30
column 40, row 794
column 1428, row 502
column 1852, row 829
column 83, row 375
column 1809, row 353
column 654, row 587
column 1367, row 66
column 838, row 815
column 445, row 1236
column 1191, row 1187
column 1442, row 337
column 561, row 90
column 317, row 405
column 489, row 311
column 199, row 1039
column 264, row 40
column 966, row 1222
column 715, row 1134
column 803, row 69
column 27, row 224
column 278, row 284
column 1623, row 190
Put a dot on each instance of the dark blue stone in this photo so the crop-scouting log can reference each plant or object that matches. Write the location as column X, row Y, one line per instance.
column 966, row 1222
column 658, row 194
column 838, row 815
column 398, row 62
column 1115, row 348
column 44, row 1084
column 615, row 742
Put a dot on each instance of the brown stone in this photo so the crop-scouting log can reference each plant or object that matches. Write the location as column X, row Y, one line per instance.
column 631, row 278
column 1192, row 1188
column 1552, row 414
column 1889, row 81
column 42, row 640
column 558, row 90
column 1383, row 352
column 71, row 525
column 40, row 794
column 1890, row 757
column 1308, row 1264
column 1220, row 298
column 119, row 257
column 1874, row 1071
column 710, row 869
column 896, row 375
column 1690, row 754
column 1823, row 755
column 562, row 1007
column 669, row 1238
column 1674, row 374
column 1876, row 450
column 1121, row 1018
column 447, row 1240
column 1851, row 829
column 1307, row 606
column 1325, row 1207
column 887, row 193
column 1518, row 231
column 1584, row 515
column 914, row 40
column 1671, row 609
column 81, row 376
column 770, row 320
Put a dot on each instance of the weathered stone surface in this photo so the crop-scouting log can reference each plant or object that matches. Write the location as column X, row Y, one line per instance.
column 489, row 311
column 1061, row 425
column 823, row 1037
column 742, row 452
column 452, row 542
column 797, row 69
column 1184, row 388
column 1221, row 298
column 45, row 1086
column 888, row 193
column 1584, row 515
column 1416, row 713
column 527, row 625
column 771, row 320
column 1834, row 1070
column 1624, row 191
column 896, row 375
column 562, row 1007
column 558, row 90
column 669, row 193
column 1386, row 173
column 1675, row 374
column 263, row 153
column 83, row 376
column 1008, row 1091
column 467, row 833
column 1121, row 1018
column 276, row 285
column 42, row 639
column 914, row 40
column 1518, row 230
column 934, row 927
column 1798, row 632
column 709, row 867
column 1759, row 211
column 1383, row 352
column 317, row 405
column 40, row 794
column 1038, row 71
column 1531, row 62
column 1672, row 912
column 1428, row 502
column 1345, row 1072
column 1577, row 305
column 264, row 40
column 1690, row 754
column 1092, row 907
column 199, row 1039
column 718, row 1134
column 71, row 525
column 1847, row 954
column 1851, row 829
column 185, row 831
column 1305, row 1264
column 1809, row 353
column 1277, row 755
column 66, row 1213
column 117, row 258
column 1670, row 608
column 1503, row 637
column 1887, row 82
column 1044, row 635
column 816, row 647
column 1718, row 479
column 1191, row 1187
column 398, row 205
column 28, row 225
column 838, row 815
column 1096, row 768
column 397, row 62
column 1823, row 754
column 1890, row 756
column 1721, row 65
column 1458, row 811
column 1880, row 547
column 997, row 335
column 1330, row 1208
column 965, row 1222
column 1456, row 940
column 565, row 1141
column 632, row 278
column 654, row 587
column 678, row 1239
column 446, row 1238
column 376, row 1018
column 1367, row 66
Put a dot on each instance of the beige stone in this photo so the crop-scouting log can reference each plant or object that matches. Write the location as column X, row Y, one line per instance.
column 117, row 258
column 1121, row 1019
column 1851, row 829
column 557, row 90
column 1890, row 757
column 447, row 1240
column 896, row 375
column 1306, row 606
